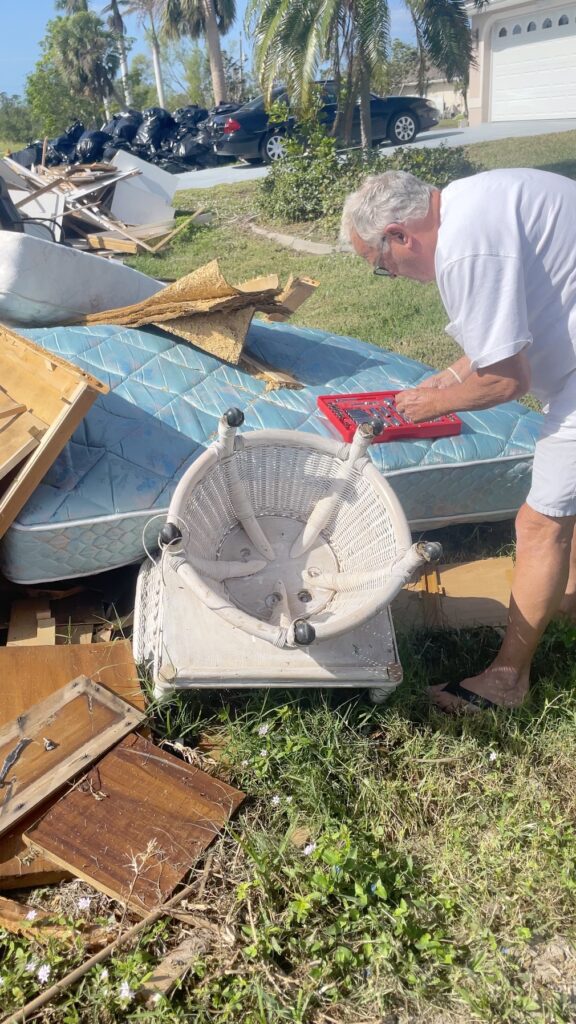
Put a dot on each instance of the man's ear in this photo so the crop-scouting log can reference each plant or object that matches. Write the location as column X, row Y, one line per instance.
column 398, row 233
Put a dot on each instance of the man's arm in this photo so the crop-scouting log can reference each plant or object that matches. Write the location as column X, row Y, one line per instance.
column 446, row 378
column 482, row 389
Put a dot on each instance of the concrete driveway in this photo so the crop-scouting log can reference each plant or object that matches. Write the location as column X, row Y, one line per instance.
column 228, row 174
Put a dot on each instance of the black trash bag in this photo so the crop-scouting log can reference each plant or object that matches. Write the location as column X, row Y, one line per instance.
column 29, row 156
column 109, row 152
column 90, row 148
column 156, row 125
column 189, row 117
column 110, row 125
column 190, row 151
column 126, row 129
column 75, row 131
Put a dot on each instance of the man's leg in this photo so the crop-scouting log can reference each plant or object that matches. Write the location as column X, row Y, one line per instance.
column 568, row 603
column 543, row 545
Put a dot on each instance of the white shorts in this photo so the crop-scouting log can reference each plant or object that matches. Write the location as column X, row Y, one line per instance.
column 553, row 490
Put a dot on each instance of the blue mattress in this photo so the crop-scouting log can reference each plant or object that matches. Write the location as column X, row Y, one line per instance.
column 91, row 511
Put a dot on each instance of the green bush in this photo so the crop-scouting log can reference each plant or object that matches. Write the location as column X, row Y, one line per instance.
column 312, row 180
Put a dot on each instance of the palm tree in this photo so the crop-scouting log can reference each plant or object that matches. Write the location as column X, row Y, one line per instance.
column 118, row 28
column 295, row 37
column 72, row 6
column 202, row 18
column 86, row 55
column 147, row 13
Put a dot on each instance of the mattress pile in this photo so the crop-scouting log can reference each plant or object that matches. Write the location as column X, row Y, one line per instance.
column 94, row 507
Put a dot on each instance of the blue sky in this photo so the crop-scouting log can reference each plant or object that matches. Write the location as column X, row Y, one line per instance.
column 24, row 23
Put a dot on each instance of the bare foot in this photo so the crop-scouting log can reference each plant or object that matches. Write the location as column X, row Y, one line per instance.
column 502, row 685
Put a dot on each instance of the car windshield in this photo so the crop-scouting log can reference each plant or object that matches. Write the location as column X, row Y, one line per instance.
column 258, row 102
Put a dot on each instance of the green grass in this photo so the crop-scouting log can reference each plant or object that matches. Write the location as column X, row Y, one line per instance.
column 390, row 865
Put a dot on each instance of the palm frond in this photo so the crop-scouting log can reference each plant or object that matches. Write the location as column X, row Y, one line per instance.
column 444, row 28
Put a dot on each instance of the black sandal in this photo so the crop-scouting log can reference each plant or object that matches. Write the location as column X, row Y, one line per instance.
column 469, row 697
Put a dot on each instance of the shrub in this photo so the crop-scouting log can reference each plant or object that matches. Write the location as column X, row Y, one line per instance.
column 312, row 180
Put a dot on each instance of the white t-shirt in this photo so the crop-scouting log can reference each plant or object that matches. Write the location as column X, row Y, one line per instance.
column 506, row 270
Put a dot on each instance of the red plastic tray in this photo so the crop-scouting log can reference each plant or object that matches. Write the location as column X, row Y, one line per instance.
column 346, row 412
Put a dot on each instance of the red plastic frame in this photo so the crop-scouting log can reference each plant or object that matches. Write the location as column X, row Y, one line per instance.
column 381, row 403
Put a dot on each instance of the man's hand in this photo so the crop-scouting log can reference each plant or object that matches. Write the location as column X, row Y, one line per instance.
column 418, row 404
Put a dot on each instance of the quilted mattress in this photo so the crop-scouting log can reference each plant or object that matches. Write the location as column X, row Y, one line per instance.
column 94, row 507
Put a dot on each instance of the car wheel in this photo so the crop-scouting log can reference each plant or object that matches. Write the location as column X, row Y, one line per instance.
column 403, row 128
column 273, row 147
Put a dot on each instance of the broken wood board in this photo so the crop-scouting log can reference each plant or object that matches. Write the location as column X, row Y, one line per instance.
column 36, row 924
column 20, row 431
column 30, row 674
column 176, row 964
column 459, row 596
column 54, row 740
column 31, row 624
column 54, row 392
column 136, row 823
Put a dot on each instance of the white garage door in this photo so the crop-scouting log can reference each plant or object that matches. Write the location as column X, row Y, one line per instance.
column 534, row 64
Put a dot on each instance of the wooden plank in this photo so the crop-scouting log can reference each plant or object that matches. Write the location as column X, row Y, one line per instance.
column 175, row 965
column 158, row 817
column 54, row 740
column 459, row 596
column 36, row 924
column 53, row 390
column 29, row 674
column 24, row 627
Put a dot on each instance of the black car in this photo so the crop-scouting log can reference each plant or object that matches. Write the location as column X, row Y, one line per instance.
column 247, row 134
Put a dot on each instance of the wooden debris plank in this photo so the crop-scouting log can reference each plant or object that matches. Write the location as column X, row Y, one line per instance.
column 27, row 627
column 175, row 965
column 19, row 437
column 172, row 234
column 36, row 924
column 30, row 674
column 54, row 391
column 54, row 740
column 136, row 824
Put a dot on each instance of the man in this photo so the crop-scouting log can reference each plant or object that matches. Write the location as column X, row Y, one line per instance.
column 500, row 246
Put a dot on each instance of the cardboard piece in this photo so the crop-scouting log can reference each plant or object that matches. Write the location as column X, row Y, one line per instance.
column 136, row 823
column 54, row 740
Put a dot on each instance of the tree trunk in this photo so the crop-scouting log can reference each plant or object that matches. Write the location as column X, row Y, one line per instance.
column 365, row 119
column 124, row 71
column 155, row 47
column 106, row 105
column 214, row 53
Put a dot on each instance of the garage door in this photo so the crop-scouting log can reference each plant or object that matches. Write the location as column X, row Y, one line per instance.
column 534, row 65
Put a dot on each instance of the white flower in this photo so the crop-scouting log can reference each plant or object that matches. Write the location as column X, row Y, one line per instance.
column 31, row 966
column 2, row 982
column 263, row 730
column 156, row 997
column 43, row 973
column 309, row 849
column 104, row 974
column 31, row 915
column 125, row 992
column 275, row 801
column 492, row 756
column 83, row 903
column 289, row 799
column 263, row 753
column 244, row 763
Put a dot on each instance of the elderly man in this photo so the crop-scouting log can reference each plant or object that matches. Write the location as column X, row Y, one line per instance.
column 501, row 249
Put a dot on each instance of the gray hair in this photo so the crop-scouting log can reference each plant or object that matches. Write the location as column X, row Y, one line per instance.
column 382, row 199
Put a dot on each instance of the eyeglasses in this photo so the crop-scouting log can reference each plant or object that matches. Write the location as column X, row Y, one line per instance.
column 378, row 270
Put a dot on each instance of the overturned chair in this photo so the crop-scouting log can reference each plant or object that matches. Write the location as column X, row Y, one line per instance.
column 279, row 559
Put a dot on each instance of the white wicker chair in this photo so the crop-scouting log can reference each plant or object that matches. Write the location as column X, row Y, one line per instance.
column 292, row 537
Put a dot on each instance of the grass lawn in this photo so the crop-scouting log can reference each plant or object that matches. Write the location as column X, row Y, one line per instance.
column 390, row 866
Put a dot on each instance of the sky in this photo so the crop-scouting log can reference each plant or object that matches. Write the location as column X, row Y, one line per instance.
column 24, row 24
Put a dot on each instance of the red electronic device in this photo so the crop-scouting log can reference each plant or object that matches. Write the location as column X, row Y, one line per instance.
column 347, row 412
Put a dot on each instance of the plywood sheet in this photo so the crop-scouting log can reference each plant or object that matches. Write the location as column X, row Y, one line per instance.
column 137, row 823
column 30, row 624
column 52, row 741
column 30, row 674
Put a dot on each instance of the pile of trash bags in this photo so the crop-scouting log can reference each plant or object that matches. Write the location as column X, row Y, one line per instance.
column 176, row 142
